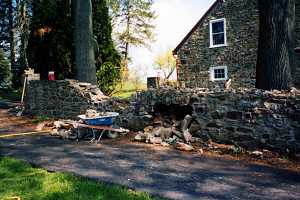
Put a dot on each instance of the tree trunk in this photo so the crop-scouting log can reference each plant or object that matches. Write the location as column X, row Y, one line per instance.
column 83, row 39
column 12, row 35
column 276, row 44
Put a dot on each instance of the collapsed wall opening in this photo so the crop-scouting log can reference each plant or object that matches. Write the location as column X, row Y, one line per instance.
column 172, row 111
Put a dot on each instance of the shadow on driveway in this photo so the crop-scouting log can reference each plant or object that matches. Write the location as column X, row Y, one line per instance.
column 160, row 171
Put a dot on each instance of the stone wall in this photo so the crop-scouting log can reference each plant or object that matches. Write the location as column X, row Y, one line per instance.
column 195, row 57
column 63, row 99
column 250, row 118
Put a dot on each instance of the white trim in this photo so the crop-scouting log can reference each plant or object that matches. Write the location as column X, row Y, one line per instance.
column 212, row 73
column 211, row 44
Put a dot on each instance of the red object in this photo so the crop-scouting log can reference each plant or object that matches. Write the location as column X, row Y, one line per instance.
column 51, row 76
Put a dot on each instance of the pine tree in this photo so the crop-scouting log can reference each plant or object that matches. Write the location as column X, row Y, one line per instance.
column 134, row 19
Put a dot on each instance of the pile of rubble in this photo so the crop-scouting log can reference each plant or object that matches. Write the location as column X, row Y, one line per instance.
column 250, row 118
column 71, row 129
column 179, row 133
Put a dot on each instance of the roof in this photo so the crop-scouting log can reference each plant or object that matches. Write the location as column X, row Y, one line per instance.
column 199, row 23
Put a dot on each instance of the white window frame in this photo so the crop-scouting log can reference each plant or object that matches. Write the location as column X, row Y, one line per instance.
column 211, row 33
column 212, row 73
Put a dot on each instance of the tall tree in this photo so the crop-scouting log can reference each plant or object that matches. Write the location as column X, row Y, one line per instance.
column 12, row 34
column 50, row 39
column 4, row 70
column 84, row 42
column 134, row 23
column 276, row 44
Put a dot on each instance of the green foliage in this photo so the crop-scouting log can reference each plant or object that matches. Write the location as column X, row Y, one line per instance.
column 134, row 21
column 50, row 43
column 108, row 77
column 19, row 179
column 4, row 70
column 5, row 36
column 53, row 49
column 107, row 58
column 166, row 63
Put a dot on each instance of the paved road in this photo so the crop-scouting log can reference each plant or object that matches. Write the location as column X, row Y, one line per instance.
column 160, row 171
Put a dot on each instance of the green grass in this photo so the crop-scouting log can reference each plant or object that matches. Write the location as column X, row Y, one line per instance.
column 129, row 89
column 18, row 179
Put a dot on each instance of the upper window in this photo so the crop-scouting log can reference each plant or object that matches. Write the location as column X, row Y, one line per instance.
column 218, row 33
column 219, row 73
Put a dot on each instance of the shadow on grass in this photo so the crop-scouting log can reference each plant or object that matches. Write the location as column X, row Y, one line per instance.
column 21, row 180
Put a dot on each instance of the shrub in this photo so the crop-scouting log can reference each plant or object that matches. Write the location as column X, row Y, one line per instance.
column 5, row 75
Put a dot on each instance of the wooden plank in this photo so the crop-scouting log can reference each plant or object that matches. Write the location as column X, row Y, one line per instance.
column 107, row 128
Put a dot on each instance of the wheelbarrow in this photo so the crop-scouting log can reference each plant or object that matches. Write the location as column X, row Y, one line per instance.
column 101, row 123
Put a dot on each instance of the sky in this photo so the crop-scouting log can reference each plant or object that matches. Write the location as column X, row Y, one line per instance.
column 175, row 18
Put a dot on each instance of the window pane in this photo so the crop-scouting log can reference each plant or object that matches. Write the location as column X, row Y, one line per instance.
column 219, row 73
column 218, row 39
column 218, row 27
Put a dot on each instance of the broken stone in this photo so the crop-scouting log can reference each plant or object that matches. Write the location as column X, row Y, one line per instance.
column 112, row 135
column 148, row 129
column 186, row 122
column 162, row 132
column 257, row 153
column 194, row 127
column 187, row 136
column 141, row 137
column 91, row 113
column 183, row 147
column 172, row 140
column 155, row 140
column 165, row 144
column 177, row 133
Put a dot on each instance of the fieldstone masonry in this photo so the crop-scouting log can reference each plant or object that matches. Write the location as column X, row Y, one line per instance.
column 63, row 99
column 249, row 118
column 195, row 57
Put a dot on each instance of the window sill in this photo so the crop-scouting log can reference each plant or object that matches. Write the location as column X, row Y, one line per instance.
column 218, row 46
column 215, row 80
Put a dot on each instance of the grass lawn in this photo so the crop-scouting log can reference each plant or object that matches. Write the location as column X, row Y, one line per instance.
column 129, row 89
column 18, row 179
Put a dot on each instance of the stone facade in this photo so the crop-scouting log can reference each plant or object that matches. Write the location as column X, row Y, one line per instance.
column 63, row 99
column 250, row 118
column 195, row 57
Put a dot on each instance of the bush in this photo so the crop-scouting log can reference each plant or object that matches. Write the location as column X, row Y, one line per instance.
column 5, row 75
column 108, row 77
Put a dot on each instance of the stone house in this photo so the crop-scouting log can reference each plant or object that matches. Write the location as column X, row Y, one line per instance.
column 223, row 45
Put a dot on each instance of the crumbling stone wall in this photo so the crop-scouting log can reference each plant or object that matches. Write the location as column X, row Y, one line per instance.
column 63, row 99
column 250, row 118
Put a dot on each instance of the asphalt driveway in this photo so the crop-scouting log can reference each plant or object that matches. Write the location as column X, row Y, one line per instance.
column 160, row 171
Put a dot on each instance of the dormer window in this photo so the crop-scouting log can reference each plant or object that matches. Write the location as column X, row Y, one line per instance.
column 218, row 33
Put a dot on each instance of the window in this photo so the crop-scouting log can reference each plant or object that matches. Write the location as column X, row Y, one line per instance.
column 219, row 73
column 218, row 33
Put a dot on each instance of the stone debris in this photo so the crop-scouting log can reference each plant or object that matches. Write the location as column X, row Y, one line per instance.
column 250, row 118
column 184, row 147
column 171, row 135
column 91, row 113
